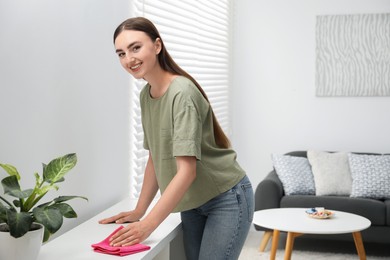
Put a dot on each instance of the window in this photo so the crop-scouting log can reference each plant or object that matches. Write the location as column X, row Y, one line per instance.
column 197, row 35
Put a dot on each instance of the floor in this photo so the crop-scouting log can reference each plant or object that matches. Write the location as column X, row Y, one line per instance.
column 322, row 246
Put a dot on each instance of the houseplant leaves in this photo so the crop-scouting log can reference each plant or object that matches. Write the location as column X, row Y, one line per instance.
column 20, row 214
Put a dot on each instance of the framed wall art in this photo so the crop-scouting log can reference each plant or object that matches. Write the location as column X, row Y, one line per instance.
column 353, row 55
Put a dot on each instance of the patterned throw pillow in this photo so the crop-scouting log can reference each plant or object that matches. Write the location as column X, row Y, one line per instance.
column 295, row 174
column 331, row 172
column 370, row 175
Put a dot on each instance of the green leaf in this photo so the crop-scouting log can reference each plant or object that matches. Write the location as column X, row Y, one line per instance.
column 38, row 179
column 45, row 204
column 11, row 186
column 49, row 217
column 3, row 213
column 10, row 183
column 46, row 188
column 66, row 198
column 11, row 170
column 21, row 194
column 2, row 207
column 6, row 201
column 46, row 235
column 65, row 209
column 17, row 203
column 19, row 223
column 57, row 168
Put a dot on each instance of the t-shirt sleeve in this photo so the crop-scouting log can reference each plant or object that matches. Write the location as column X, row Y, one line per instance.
column 187, row 129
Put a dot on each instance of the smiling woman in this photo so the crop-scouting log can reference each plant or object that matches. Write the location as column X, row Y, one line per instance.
column 191, row 161
column 137, row 54
column 198, row 36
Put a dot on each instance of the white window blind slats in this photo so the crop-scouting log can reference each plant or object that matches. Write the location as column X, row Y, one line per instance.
column 197, row 66
column 185, row 21
column 137, row 121
column 216, row 88
column 185, row 12
column 139, row 137
column 202, row 30
column 217, row 103
column 200, row 42
column 214, row 56
column 197, row 35
column 201, row 50
column 215, row 8
column 223, row 116
column 202, row 62
column 138, row 154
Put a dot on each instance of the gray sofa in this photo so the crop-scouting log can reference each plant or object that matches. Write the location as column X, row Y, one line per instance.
column 269, row 194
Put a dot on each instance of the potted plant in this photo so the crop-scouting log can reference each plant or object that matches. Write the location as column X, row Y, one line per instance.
column 22, row 216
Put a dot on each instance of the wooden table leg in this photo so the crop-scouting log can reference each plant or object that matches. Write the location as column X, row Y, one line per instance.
column 290, row 244
column 275, row 242
column 357, row 237
column 266, row 237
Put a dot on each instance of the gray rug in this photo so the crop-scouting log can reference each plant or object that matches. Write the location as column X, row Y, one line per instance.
column 304, row 250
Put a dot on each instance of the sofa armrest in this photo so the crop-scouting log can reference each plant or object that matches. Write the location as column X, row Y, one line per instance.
column 269, row 192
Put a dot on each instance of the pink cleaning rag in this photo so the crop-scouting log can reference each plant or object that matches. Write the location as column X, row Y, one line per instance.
column 105, row 248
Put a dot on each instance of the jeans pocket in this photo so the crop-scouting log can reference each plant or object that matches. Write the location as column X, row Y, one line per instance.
column 249, row 199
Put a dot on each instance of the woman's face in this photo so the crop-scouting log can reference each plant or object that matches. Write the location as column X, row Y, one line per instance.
column 137, row 52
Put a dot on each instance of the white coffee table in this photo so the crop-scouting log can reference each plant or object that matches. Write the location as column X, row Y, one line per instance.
column 296, row 222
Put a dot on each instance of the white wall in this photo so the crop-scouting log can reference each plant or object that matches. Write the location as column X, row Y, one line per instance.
column 63, row 90
column 275, row 109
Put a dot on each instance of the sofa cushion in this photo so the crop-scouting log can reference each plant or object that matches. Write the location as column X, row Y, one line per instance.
column 374, row 210
column 331, row 172
column 387, row 203
column 370, row 175
column 294, row 173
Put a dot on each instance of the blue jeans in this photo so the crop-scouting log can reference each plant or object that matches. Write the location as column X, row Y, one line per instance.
column 218, row 229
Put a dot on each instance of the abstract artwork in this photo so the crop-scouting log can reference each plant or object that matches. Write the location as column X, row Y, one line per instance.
column 353, row 55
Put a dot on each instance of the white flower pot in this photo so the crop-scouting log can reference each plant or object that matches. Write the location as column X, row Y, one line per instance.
column 23, row 248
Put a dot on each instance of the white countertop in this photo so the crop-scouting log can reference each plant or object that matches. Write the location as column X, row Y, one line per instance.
column 76, row 243
column 296, row 220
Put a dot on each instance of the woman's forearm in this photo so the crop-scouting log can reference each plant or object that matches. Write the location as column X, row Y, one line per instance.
column 175, row 191
column 139, row 231
column 149, row 187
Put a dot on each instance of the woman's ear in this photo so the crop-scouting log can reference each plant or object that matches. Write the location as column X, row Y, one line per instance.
column 158, row 45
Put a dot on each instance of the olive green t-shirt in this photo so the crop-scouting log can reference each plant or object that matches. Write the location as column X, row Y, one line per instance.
column 179, row 123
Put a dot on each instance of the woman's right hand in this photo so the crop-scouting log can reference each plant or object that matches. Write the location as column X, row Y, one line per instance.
column 123, row 217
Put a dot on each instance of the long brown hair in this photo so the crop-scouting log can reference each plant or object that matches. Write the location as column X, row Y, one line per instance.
column 168, row 64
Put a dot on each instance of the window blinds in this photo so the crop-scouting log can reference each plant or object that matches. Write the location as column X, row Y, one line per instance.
column 197, row 35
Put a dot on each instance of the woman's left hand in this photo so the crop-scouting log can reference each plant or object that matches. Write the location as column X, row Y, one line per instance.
column 132, row 234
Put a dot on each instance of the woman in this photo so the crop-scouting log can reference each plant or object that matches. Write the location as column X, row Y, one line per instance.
column 190, row 159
